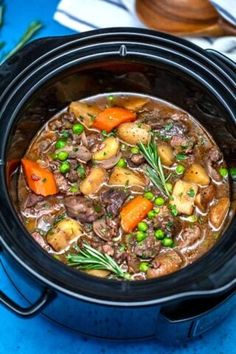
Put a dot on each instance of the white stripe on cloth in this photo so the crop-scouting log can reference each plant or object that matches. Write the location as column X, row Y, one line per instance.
column 85, row 15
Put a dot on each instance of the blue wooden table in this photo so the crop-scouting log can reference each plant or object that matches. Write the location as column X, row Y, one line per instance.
column 37, row 335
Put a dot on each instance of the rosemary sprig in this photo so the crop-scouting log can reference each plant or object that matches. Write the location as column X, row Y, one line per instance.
column 155, row 172
column 89, row 258
column 33, row 28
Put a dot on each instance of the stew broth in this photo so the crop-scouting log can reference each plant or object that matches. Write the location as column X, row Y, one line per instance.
column 124, row 186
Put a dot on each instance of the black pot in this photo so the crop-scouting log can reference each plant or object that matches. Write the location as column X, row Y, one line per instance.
column 41, row 79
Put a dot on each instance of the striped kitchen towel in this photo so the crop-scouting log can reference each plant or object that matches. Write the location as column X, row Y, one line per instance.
column 85, row 15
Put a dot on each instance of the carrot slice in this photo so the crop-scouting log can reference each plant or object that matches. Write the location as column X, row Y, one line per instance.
column 134, row 212
column 40, row 180
column 112, row 117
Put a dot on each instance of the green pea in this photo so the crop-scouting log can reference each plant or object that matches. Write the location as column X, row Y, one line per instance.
column 151, row 214
column 60, row 144
column 179, row 169
column 232, row 172
column 142, row 226
column 140, row 236
column 77, row 128
column 74, row 189
column 121, row 163
column 135, row 150
column 65, row 167
column 81, row 171
column 159, row 201
column 167, row 242
column 159, row 234
column 62, row 155
column 223, row 171
column 149, row 195
column 169, row 187
column 143, row 266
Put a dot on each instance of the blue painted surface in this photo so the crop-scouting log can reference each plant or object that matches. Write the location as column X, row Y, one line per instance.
column 38, row 335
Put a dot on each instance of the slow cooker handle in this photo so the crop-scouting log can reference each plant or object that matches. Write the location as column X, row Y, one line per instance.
column 222, row 59
column 31, row 310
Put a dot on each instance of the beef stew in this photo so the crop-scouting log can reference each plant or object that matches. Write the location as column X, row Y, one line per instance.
column 124, row 186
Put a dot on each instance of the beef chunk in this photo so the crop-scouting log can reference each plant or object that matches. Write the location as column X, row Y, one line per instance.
column 72, row 176
column 83, row 154
column 113, row 199
column 182, row 143
column 32, row 199
column 85, row 210
column 106, row 228
column 214, row 155
column 39, row 239
column 165, row 263
column 148, row 248
column 164, row 219
column 189, row 236
column 62, row 182
column 136, row 160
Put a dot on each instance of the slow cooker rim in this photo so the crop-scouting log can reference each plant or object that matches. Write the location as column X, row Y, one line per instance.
column 132, row 302
column 126, row 31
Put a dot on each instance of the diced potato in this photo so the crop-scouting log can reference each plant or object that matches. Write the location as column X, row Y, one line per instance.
column 134, row 133
column 134, row 104
column 84, row 112
column 101, row 273
column 125, row 177
column 94, row 181
column 184, row 194
column 218, row 212
column 196, row 173
column 110, row 148
column 63, row 233
column 166, row 154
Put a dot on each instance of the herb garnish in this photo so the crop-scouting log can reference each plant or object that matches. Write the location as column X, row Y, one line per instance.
column 173, row 209
column 155, row 172
column 181, row 157
column 89, row 258
column 191, row 193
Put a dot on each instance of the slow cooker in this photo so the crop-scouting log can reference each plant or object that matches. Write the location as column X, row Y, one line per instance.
column 40, row 80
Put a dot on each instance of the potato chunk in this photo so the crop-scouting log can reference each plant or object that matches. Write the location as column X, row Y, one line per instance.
column 101, row 273
column 134, row 133
column 166, row 154
column 196, row 173
column 63, row 233
column 184, row 194
column 125, row 177
column 94, row 181
column 168, row 262
column 110, row 148
column 84, row 112
column 218, row 212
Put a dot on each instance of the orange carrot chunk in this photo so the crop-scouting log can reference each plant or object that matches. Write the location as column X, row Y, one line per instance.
column 112, row 117
column 134, row 212
column 40, row 180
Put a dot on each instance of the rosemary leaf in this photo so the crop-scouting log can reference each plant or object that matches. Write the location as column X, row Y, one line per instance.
column 33, row 28
column 156, row 173
column 89, row 258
